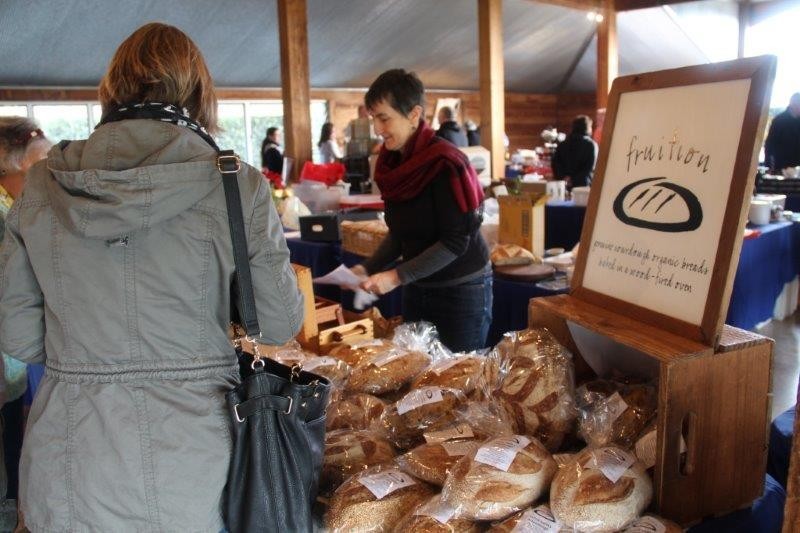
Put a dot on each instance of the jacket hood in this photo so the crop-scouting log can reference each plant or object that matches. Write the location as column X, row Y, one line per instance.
column 128, row 176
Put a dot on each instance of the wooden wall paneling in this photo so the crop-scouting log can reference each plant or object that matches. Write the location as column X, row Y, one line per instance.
column 295, row 89
column 607, row 52
column 492, row 81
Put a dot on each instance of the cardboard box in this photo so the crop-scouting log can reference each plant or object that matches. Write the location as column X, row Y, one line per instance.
column 522, row 221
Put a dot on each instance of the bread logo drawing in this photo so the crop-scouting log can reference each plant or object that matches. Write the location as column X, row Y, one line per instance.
column 659, row 205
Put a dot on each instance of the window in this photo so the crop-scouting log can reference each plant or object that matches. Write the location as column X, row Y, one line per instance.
column 13, row 111
column 62, row 121
column 232, row 129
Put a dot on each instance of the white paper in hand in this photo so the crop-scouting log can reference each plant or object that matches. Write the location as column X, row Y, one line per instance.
column 346, row 279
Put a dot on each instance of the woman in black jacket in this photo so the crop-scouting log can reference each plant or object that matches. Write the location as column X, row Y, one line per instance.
column 434, row 211
column 575, row 157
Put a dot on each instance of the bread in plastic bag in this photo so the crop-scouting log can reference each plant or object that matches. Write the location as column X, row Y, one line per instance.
column 354, row 411
column 432, row 462
column 460, row 372
column 653, row 524
column 336, row 370
column 289, row 354
column 348, row 452
column 615, row 413
column 387, row 371
column 375, row 500
column 436, row 516
column 473, row 420
column 417, row 336
column 502, row 476
column 538, row 385
column 353, row 353
column 601, row 489
column 405, row 421
column 537, row 519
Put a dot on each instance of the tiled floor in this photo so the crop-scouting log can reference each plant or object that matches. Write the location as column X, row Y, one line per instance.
column 786, row 361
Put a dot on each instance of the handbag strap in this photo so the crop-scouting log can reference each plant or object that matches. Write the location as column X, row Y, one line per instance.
column 228, row 164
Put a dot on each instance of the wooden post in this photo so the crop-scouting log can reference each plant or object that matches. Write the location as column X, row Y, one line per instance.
column 293, row 27
column 607, row 52
column 744, row 22
column 490, row 44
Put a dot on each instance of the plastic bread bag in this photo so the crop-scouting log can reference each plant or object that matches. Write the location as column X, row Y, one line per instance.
column 615, row 413
column 419, row 336
column 354, row 411
column 473, row 420
column 502, row 476
column 387, row 371
column 653, row 524
column 601, row 489
column 646, row 446
column 405, row 421
column 537, row 519
column 436, row 516
column 348, row 452
column 293, row 209
column 289, row 354
column 538, row 385
column 336, row 370
column 375, row 500
column 464, row 372
column 432, row 462
column 354, row 352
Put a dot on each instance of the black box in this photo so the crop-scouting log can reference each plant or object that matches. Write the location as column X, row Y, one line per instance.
column 320, row 228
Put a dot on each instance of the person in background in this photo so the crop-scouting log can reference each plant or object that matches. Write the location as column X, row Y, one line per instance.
column 22, row 144
column 434, row 209
column 575, row 157
column 271, row 155
column 449, row 128
column 117, row 269
column 329, row 150
column 360, row 135
column 782, row 147
column 473, row 134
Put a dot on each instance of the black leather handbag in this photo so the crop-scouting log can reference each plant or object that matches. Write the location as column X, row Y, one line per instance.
column 278, row 413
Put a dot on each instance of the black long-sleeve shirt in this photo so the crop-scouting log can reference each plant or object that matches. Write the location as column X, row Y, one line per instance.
column 440, row 244
column 782, row 147
column 575, row 157
column 271, row 156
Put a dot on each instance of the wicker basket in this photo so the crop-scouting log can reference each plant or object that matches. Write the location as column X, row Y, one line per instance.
column 363, row 237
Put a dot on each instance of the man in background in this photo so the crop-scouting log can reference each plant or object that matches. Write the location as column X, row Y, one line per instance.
column 783, row 141
column 271, row 156
column 449, row 128
column 360, row 136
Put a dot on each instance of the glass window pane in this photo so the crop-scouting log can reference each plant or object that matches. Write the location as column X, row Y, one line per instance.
column 13, row 111
column 263, row 115
column 97, row 114
column 62, row 121
column 232, row 134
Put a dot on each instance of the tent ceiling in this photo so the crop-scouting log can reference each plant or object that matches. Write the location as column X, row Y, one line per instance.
column 69, row 42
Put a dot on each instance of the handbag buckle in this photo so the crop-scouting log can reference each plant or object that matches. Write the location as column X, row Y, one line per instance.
column 286, row 412
column 291, row 403
column 236, row 413
column 228, row 164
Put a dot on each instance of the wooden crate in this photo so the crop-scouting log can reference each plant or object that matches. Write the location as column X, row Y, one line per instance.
column 717, row 400
column 363, row 237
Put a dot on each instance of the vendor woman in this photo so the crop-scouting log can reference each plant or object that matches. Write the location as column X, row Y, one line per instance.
column 434, row 209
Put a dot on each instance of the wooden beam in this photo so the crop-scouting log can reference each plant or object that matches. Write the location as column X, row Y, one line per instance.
column 607, row 52
column 582, row 5
column 744, row 23
column 293, row 29
column 492, row 72
column 628, row 5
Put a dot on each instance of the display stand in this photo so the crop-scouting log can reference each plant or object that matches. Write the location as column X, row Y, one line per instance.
column 655, row 270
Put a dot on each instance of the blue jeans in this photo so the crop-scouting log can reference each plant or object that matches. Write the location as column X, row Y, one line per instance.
column 461, row 313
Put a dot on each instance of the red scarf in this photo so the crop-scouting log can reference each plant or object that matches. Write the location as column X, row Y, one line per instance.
column 402, row 175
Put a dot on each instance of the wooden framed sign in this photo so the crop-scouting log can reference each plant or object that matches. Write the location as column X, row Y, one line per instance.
column 671, row 192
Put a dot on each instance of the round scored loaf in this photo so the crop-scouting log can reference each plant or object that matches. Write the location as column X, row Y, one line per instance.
column 354, row 353
column 540, row 516
column 336, row 370
column 606, row 420
column 482, row 491
column 538, row 390
column 348, row 452
column 387, row 371
column 653, row 524
column 583, row 497
column 512, row 254
column 432, row 462
column 435, row 516
column 355, row 507
column 461, row 373
column 406, row 421
column 354, row 411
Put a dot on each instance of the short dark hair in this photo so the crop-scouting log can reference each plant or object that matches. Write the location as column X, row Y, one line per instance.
column 447, row 113
column 272, row 130
column 400, row 89
column 325, row 133
column 582, row 125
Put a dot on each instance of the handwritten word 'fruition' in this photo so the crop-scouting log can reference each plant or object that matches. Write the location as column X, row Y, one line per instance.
column 672, row 150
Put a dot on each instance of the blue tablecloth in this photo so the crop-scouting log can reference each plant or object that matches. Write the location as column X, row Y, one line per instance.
column 510, row 306
column 766, row 264
column 563, row 222
column 764, row 516
column 780, row 446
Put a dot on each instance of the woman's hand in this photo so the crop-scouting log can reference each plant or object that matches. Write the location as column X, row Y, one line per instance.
column 359, row 271
column 382, row 282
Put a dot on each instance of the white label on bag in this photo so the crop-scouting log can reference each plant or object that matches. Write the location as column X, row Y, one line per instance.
column 418, row 398
column 459, row 447
column 365, row 343
column 613, row 462
column 388, row 357
column 448, row 363
column 500, row 453
column 315, row 362
column 438, row 510
column 616, row 406
column 385, row 483
column 562, row 459
column 537, row 520
column 647, row 524
column 459, row 431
